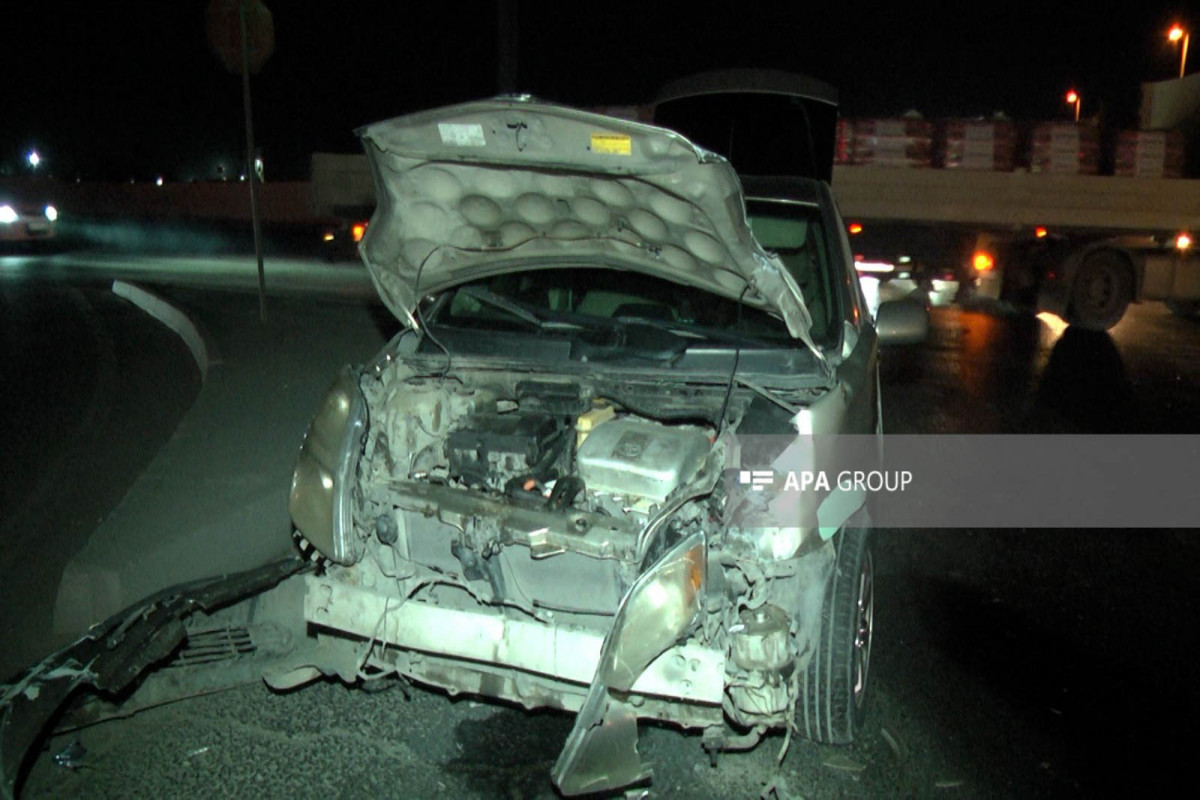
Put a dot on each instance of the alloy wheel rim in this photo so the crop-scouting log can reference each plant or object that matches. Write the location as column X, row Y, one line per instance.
column 864, row 627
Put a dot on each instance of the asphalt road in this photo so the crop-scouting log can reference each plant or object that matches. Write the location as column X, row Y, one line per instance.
column 1006, row 663
column 90, row 388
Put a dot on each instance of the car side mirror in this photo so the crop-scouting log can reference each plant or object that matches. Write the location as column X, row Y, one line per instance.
column 902, row 322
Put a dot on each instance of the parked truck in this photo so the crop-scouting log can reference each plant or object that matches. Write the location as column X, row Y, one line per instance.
column 1023, row 215
column 1081, row 246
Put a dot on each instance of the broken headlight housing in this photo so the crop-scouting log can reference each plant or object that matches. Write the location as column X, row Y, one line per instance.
column 658, row 610
column 320, row 500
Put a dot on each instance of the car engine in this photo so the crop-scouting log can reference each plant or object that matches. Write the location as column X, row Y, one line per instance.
column 526, row 490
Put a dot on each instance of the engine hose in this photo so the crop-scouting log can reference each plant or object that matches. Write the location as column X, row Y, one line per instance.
column 565, row 492
column 514, row 489
column 541, row 470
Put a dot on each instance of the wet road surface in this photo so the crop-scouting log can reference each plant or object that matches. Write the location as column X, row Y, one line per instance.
column 1006, row 663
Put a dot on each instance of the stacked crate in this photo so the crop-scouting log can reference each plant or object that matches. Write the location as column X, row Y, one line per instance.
column 978, row 144
column 1065, row 148
column 899, row 142
column 1149, row 154
column 843, row 148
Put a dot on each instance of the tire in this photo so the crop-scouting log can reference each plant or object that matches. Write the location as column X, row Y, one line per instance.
column 1185, row 309
column 1101, row 291
column 833, row 689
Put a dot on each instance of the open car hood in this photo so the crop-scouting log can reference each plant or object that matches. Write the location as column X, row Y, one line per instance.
column 495, row 186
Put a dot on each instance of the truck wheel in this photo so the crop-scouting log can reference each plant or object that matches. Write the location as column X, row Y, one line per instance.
column 1186, row 309
column 833, row 690
column 1102, row 290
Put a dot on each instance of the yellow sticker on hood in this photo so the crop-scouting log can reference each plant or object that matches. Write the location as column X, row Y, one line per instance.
column 613, row 143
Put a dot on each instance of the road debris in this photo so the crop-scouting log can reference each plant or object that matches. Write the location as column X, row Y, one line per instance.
column 776, row 789
column 844, row 763
column 894, row 744
column 71, row 756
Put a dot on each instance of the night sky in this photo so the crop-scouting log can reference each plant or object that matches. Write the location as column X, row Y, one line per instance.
column 131, row 90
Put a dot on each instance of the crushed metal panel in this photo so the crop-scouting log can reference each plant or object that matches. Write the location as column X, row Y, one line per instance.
column 687, row 672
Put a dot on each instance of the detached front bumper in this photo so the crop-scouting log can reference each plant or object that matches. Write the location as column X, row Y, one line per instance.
column 112, row 655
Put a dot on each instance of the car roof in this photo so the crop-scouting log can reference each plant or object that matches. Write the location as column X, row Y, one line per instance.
column 766, row 122
column 782, row 187
column 755, row 81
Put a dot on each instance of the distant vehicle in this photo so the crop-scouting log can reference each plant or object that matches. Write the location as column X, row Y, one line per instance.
column 907, row 260
column 339, row 239
column 26, row 220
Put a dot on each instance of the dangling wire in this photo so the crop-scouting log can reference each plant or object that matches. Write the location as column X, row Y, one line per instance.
column 737, row 355
column 423, row 326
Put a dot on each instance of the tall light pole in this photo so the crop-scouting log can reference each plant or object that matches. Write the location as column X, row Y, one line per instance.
column 242, row 36
column 1177, row 33
column 1073, row 99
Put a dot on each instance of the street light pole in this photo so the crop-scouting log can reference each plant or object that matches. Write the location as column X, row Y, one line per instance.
column 251, row 172
column 1074, row 99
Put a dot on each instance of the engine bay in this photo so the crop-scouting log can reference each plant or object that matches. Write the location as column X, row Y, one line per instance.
column 523, row 489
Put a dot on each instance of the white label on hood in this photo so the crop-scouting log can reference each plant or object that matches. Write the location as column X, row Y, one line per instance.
column 460, row 135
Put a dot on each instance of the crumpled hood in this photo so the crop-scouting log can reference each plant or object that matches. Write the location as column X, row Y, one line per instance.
column 482, row 188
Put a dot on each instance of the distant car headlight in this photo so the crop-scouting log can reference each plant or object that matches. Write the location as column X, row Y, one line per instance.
column 8, row 215
column 320, row 500
column 51, row 213
column 659, row 609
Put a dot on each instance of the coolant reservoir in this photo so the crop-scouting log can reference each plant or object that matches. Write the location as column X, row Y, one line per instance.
column 641, row 459
column 586, row 422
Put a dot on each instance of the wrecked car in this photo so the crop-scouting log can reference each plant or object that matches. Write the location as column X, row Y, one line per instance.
column 526, row 495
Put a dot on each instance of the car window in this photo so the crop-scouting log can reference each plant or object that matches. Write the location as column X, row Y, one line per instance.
column 795, row 233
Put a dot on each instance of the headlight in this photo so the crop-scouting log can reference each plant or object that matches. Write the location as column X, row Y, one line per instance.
column 657, row 611
column 320, row 500
column 51, row 213
column 7, row 215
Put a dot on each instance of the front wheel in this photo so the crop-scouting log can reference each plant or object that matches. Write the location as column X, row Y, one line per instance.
column 833, row 690
column 1101, row 291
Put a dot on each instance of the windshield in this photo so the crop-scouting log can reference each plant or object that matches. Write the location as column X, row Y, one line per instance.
column 572, row 298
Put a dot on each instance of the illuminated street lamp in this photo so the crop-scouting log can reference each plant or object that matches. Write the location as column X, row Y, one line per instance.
column 1175, row 34
column 1073, row 99
column 33, row 158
